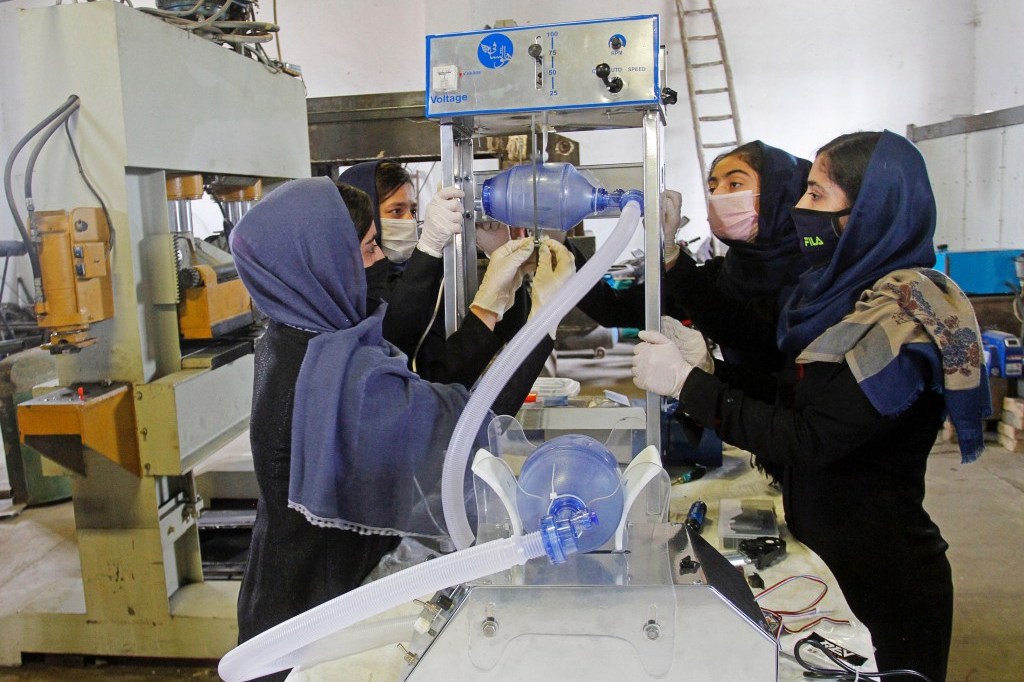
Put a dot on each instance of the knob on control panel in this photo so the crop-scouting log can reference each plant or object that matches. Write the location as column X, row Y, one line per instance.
column 613, row 84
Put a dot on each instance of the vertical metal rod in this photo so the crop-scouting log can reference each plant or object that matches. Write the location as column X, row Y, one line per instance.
column 451, row 321
column 467, row 241
column 534, row 160
column 653, row 180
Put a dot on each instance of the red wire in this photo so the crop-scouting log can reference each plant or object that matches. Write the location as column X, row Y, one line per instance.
column 791, row 578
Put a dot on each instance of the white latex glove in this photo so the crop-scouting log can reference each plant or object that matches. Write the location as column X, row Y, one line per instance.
column 489, row 236
column 503, row 276
column 690, row 342
column 658, row 366
column 555, row 265
column 441, row 220
column 671, row 217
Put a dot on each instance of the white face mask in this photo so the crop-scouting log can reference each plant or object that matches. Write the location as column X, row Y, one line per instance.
column 398, row 238
column 733, row 216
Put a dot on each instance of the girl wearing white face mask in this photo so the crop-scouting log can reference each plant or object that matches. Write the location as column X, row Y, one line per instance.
column 414, row 259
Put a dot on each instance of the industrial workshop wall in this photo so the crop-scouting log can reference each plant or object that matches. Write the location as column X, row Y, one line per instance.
column 804, row 71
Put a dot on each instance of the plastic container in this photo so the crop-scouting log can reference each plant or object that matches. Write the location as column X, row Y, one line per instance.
column 564, row 197
column 566, row 474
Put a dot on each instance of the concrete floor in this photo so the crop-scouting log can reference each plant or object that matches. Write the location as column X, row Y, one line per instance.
column 979, row 507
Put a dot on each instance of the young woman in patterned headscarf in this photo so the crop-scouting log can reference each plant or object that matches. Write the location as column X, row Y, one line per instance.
column 879, row 347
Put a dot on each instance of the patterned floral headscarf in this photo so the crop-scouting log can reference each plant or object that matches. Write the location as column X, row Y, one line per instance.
column 907, row 317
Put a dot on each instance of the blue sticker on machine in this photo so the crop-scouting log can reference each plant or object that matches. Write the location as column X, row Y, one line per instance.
column 495, row 50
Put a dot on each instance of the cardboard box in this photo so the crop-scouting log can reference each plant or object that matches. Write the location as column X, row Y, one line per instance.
column 1014, row 406
column 1009, row 430
column 1011, row 444
column 1014, row 420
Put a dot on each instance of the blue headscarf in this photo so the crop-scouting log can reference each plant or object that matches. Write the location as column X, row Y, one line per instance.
column 772, row 263
column 368, row 435
column 364, row 176
column 890, row 228
column 901, row 326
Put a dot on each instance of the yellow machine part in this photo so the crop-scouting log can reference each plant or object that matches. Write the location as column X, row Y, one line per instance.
column 214, row 308
column 60, row 424
column 74, row 256
column 251, row 192
column 185, row 187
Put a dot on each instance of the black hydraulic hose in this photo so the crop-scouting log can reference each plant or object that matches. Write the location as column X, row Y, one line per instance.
column 72, row 103
column 31, row 165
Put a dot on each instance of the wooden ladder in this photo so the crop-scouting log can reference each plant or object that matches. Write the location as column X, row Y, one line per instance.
column 716, row 121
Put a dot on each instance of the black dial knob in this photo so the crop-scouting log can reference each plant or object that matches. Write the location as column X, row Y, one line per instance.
column 602, row 71
column 616, row 43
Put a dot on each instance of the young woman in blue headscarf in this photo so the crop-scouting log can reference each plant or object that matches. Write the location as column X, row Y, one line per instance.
column 879, row 346
column 347, row 442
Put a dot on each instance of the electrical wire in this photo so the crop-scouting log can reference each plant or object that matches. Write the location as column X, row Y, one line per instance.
column 277, row 37
column 790, row 579
column 3, row 279
column 778, row 616
column 72, row 103
column 243, row 34
column 846, row 672
column 85, row 179
column 430, row 325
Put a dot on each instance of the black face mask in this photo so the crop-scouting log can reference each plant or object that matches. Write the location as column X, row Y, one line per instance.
column 818, row 232
column 376, row 284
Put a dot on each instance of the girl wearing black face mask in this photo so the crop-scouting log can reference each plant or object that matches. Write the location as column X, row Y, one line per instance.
column 879, row 346
column 360, row 209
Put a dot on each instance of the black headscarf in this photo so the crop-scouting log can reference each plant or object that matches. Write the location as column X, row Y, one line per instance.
column 771, row 265
column 364, row 176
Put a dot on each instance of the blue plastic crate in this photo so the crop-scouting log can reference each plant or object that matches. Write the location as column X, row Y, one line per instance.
column 980, row 272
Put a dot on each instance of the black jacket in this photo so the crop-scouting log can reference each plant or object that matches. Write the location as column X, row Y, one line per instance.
column 460, row 358
column 746, row 334
column 853, row 491
column 294, row 565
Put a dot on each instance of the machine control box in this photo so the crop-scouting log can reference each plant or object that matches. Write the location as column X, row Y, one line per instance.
column 577, row 65
column 1006, row 356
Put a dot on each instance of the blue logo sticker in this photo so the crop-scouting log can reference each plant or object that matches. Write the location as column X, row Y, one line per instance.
column 495, row 51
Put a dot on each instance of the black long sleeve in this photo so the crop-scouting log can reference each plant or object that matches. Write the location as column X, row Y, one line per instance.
column 693, row 291
column 412, row 301
column 511, row 398
column 457, row 359
column 837, row 420
column 607, row 306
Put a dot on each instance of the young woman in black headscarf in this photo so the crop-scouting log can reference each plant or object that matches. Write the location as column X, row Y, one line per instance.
column 348, row 443
column 878, row 346
column 410, row 279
